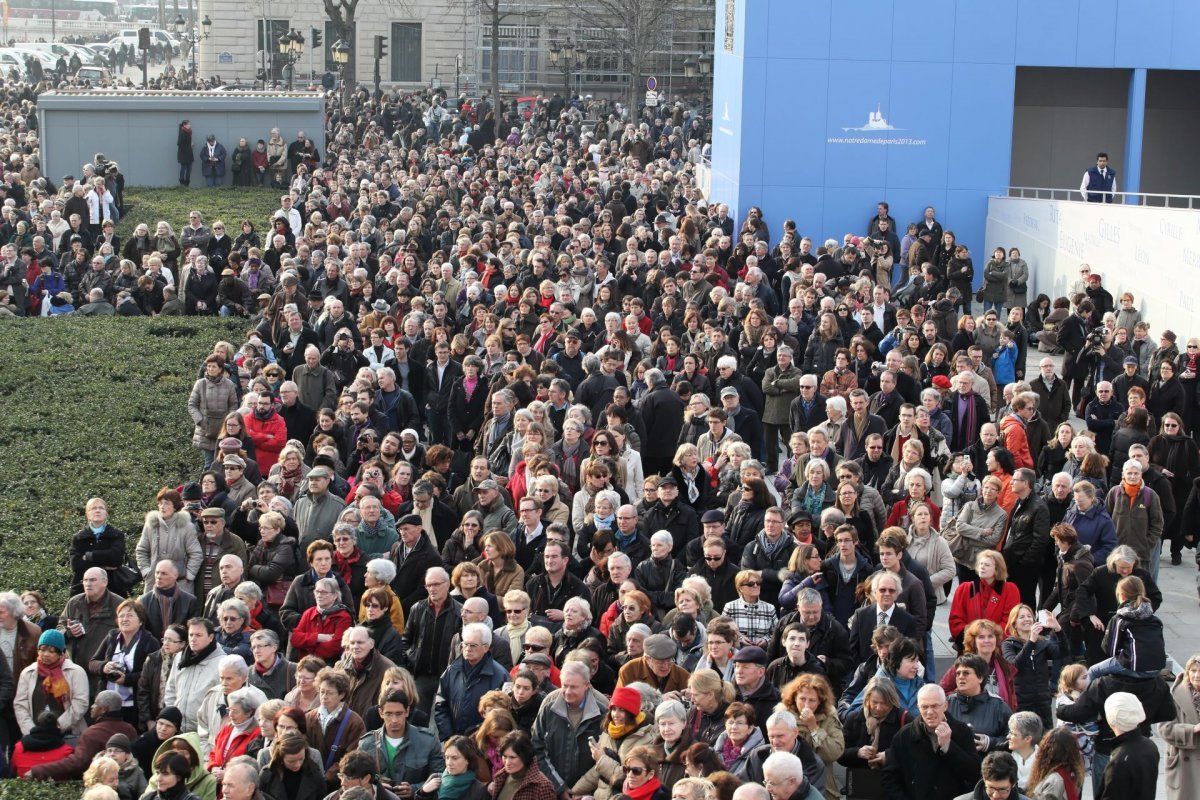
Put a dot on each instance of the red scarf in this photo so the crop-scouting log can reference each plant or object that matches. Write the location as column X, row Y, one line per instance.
column 1068, row 782
column 643, row 792
column 54, row 683
column 343, row 564
column 253, row 623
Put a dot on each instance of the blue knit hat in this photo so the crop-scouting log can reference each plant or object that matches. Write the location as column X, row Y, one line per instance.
column 55, row 639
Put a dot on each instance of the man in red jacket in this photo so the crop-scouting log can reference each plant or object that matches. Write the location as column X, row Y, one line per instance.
column 106, row 711
column 267, row 430
column 1013, row 428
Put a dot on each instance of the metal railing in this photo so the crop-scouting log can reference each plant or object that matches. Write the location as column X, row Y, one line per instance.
column 1152, row 199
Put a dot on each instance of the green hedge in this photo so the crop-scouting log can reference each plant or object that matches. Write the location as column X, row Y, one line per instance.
column 39, row 790
column 149, row 205
column 93, row 406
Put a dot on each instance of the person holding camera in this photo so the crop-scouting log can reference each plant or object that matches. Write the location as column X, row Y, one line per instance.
column 1073, row 339
column 343, row 359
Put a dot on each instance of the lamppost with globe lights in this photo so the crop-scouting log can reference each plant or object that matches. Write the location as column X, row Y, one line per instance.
column 341, row 57
column 701, row 67
column 290, row 46
column 570, row 58
column 193, row 37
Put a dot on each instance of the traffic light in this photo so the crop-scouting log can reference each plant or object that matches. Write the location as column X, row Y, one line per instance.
column 380, row 47
column 316, row 39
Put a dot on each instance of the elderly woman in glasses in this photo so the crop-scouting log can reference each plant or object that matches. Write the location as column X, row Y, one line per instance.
column 635, row 607
column 319, row 631
column 755, row 618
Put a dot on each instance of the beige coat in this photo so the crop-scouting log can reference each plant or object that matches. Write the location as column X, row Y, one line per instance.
column 603, row 781
column 1183, row 759
column 71, row 720
column 934, row 554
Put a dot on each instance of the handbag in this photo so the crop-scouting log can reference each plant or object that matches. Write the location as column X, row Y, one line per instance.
column 277, row 592
column 979, row 295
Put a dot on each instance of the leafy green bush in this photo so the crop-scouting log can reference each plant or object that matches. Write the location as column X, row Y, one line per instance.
column 39, row 790
column 149, row 205
column 93, row 406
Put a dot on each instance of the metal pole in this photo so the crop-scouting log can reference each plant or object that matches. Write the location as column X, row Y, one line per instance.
column 53, row 21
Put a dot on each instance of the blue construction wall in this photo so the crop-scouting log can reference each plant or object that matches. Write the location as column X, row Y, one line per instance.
column 942, row 73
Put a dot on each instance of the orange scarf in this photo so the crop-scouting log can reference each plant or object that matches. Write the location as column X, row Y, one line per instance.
column 1131, row 491
column 54, row 683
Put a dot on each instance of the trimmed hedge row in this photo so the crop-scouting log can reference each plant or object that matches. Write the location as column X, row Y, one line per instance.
column 39, row 790
column 149, row 205
column 93, row 406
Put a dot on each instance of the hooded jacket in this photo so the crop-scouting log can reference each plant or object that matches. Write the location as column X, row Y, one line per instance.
column 174, row 539
column 202, row 784
column 1134, row 637
column 186, row 686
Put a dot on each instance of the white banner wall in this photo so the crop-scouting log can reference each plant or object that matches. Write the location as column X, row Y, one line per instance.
column 1154, row 253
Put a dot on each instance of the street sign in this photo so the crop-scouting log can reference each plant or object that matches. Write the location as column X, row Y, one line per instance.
column 651, row 83
column 651, row 99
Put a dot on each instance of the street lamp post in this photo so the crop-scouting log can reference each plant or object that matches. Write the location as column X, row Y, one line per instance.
column 193, row 37
column 291, row 46
column 341, row 57
column 570, row 57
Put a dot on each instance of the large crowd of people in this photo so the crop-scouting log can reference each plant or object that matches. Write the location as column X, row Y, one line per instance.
column 536, row 475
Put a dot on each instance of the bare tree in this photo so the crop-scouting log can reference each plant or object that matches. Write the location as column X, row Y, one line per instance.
column 630, row 29
column 494, row 15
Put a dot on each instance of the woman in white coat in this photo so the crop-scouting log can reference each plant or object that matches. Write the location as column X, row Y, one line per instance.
column 55, row 682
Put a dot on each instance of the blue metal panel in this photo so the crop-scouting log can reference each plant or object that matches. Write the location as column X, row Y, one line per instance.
column 985, row 32
column 862, row 30
column 1040, row 27
column 848, row 209
column 980, row 135
column 914, row 85
column 797, row 128
column 1096, row 39
column 1135, row 128
column 756, row 118
column 923, row 30
column 798, row 30
column 857, row 89
column 1184, row 52
column 1144, row 33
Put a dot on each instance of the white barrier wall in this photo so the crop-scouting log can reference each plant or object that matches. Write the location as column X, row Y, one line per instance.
column 1154, row 253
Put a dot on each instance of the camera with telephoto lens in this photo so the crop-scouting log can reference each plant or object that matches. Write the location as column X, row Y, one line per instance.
column 1095, row 340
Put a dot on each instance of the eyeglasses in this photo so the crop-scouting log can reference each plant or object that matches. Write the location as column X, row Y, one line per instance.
column 639, row 771
column 752, row 583
column 323, row 591
column 212, row 521
column 372, row 605
column 511, row 611
column 713, row 559
column 885, row 591
column 535, row 648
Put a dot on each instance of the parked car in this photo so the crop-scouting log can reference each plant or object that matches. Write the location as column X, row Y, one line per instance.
column 94, row 76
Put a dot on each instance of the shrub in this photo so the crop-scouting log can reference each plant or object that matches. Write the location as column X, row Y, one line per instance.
column 149, row 205
column 39, row 790
column 94, row 406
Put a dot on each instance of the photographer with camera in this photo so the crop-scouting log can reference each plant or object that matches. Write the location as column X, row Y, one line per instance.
column 1073, row 339
column 343, row 359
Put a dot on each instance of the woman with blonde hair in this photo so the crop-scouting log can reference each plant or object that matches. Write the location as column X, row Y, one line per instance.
column 710, row 697
column 497, row 723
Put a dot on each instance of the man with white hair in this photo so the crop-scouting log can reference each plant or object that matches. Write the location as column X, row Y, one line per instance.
column 475, row 609
column 932, row 757
column 272, row 673
column 465, row 681
column 783, row 736
column 1139, row 522
column 429, row 626
column 230, row 572
column 213, row 713
column 568, row 717
column 300, row 419
column 365, row 666
column 240, row 781
column 662, row 413
column 784, row 779
column 89, row 617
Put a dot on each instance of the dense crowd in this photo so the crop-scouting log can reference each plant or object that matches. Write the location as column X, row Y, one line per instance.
column 536, row 475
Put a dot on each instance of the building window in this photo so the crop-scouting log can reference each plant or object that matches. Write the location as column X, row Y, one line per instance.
column 519, row 49
column 406, row 52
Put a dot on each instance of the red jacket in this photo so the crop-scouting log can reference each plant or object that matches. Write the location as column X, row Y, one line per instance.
column 241, row 746
column 93, row 740
column 24, row 760
column 978, row 600
column 312, row 624
column 269, row 436
column 1012, row 433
